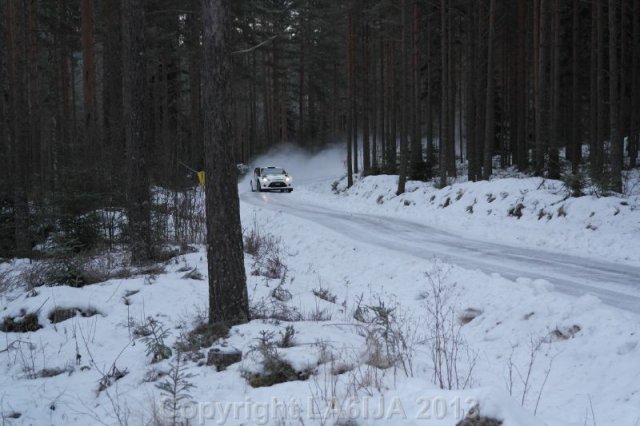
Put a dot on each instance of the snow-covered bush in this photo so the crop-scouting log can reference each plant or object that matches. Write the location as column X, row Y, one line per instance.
column 389, row 336
column 21, row 323
column 274, row 368
column 266, row 250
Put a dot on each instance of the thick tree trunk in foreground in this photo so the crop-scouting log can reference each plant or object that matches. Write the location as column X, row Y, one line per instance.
column 138, row 195
column 228, row 300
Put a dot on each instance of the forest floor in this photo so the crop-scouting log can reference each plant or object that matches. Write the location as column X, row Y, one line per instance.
column 358, row 333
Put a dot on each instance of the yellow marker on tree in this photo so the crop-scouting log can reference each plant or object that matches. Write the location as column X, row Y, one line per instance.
column 201, row 178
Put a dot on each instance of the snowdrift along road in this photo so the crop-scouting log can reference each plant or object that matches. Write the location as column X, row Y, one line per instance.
column 616, row 285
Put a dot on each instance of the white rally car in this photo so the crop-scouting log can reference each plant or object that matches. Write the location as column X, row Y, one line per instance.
column 271, row 179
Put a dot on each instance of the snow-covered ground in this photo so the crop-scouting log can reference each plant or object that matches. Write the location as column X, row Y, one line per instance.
column 526, row 353
column 603, row 228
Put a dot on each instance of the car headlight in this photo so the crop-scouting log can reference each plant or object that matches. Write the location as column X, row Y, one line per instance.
column 287, row 179
column 265, row 180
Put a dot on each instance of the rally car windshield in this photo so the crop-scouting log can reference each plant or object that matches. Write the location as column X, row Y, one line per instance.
column 274, row 171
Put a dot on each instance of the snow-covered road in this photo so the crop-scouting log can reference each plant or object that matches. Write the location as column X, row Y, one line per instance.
column 615, row 284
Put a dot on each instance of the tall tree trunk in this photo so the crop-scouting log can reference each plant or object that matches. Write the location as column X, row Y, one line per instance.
column 276, row 137
column 266, row 102
column 15, row 26
column 284, row 102
column 374, row 112
column 5, row 139
column 91, row 145
column 228, row 300
column 451, row 96
column 489, row 127
column 522, row 98
column 253, row 137
column 417, row 163
column 35, row 149
column 480, row 85
column 601, row 90
column 393, row 110
column 624, row 72
column 373, row 87
column 196, row 149
column 112, row 92
column 538, row 161
column 457, row 111
column 554, row 119
column 301, row 90
column 349, row 101
column 593, row 94
column 335, row 100
column 634, row 125
column 366, row 107
column 614, row 101
column 66, row 119
column 543, row 100
column 428, row 106
column 472, row 57
column 354, row 99
column 403, row 101
column 576, row 134
column 165, row 125
column 444, row 105
column 383, row 111
column 138, row 195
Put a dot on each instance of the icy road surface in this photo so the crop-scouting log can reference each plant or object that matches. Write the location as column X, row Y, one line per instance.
column 616, row 285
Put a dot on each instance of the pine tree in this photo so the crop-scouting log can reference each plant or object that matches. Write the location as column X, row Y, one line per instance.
column 138, row 192
column 228, row 299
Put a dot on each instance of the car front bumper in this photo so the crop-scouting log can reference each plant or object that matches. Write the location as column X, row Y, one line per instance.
column 275, row 186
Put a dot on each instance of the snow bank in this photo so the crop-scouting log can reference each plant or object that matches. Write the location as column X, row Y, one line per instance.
column 529, row 212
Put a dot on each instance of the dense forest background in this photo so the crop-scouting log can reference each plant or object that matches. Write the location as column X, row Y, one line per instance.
column 423, row 89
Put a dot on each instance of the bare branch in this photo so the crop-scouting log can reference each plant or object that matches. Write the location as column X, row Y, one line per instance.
column 251, row 49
